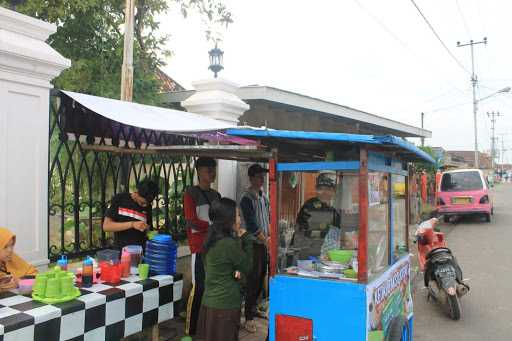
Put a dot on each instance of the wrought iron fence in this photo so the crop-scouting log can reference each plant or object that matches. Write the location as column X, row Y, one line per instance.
column 81, row 182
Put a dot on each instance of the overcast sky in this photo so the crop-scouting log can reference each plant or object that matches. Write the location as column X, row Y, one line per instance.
column 374, row 55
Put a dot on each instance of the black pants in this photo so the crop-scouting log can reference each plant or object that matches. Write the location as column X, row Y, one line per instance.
column 196, row 294
column 255, row 280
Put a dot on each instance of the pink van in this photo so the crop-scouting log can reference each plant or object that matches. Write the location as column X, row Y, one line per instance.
column 463, row 192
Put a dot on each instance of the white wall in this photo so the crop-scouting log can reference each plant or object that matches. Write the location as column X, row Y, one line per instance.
column 27, row 64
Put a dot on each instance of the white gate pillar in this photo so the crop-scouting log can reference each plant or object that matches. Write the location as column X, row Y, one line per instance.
column 216, row 98
column 27, row 65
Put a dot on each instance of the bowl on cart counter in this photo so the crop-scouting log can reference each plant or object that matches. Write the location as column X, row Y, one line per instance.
column 340, row 256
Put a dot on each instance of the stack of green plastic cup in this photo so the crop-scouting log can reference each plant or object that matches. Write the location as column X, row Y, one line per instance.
column 40, row 284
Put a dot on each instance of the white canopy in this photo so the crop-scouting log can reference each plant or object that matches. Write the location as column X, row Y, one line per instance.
column 149, row 117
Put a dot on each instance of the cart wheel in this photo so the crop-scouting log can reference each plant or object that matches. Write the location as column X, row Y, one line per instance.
column 399, row 329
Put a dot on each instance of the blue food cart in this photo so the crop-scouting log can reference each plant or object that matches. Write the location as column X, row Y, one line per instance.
column 340, row 264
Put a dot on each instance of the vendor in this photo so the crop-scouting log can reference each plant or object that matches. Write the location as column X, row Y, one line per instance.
column 129, row 215
column 318, row 221
column 12, row 266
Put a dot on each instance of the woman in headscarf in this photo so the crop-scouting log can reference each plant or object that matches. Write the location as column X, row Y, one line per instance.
column 12, row 266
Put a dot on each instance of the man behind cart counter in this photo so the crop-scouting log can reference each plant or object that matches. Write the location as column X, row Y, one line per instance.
column 319, row 222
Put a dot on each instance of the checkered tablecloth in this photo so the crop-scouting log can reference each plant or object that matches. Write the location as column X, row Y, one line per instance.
column 102, row 312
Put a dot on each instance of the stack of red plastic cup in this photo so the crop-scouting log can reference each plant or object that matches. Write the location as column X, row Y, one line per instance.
column 115, row 273
column 105, row 271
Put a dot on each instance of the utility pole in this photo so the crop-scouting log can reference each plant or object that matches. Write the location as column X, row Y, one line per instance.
column 474, row 82
column 127, row 70
column 493, row 116
column 127, row 77
column 422, row 119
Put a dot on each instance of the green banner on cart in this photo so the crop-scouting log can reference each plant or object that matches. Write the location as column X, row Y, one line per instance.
column 389, row 300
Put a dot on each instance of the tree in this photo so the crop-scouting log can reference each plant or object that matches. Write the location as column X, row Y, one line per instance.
column 89, row 32
column 431, row 168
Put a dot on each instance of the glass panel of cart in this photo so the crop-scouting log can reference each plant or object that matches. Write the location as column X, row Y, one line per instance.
column 318, row 223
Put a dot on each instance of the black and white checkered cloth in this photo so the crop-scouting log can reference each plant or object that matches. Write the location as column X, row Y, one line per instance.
column 102, row 312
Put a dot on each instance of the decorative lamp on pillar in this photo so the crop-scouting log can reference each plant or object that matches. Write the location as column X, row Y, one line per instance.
column 216, row 57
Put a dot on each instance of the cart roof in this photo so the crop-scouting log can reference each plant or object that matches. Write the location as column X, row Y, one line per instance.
column 307, row 142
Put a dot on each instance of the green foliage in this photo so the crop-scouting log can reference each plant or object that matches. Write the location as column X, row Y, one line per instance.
column 429, row 167
column 89, row 32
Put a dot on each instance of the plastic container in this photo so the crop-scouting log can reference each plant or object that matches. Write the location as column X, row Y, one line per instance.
column 107, row 255
column 305, row 265
column 135, row 252
column 62, row 263
column 161, row 253
column 25, row 286
column 87, row 273
column 115, row 273
column 340, row 256
column 125, row 264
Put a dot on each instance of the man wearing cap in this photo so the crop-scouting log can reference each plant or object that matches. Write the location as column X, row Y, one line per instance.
column 129, row 215
column 318, row 221
column 196, row 203
column 255, row 218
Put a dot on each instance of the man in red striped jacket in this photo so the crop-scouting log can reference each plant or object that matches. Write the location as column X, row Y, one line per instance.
column 196, row 203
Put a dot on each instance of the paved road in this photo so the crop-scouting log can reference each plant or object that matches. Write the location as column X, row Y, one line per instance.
column 485, row 253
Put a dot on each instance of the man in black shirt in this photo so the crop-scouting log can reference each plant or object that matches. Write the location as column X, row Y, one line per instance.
column 316, row 217
column 129, row 215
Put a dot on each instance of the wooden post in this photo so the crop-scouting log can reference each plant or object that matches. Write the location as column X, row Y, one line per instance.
column 408, row 204
column 274, row 231
column 127, row 70
column 362, row 255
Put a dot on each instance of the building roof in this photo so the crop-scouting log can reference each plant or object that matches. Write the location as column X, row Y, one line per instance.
column 311, row 104
column 468, row 157
column 168, row 84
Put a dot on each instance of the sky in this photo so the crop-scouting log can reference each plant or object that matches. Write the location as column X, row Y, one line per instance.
column 373, row 55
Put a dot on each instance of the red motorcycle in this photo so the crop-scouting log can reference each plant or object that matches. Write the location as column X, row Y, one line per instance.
column 442, row 274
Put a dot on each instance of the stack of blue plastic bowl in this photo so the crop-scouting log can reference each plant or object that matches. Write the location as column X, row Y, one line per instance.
column 161, row 253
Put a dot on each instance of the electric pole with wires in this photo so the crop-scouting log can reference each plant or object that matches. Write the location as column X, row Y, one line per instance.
column 493, row 116
column 474, row 82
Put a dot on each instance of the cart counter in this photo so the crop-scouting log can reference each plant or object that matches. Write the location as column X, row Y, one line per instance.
column 304, row 308
column 102, row 312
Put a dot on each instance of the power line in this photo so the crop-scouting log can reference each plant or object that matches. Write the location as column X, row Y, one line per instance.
column 439, row 38
column 448, row 107
column 402, row 43
column 382, row 25
column 466, row 27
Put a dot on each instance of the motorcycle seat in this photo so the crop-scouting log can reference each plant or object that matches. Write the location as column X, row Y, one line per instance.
column 438, row 251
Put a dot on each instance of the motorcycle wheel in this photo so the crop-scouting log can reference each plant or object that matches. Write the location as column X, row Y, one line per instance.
column 399, row 329
column 487, row 218
column 454, row 307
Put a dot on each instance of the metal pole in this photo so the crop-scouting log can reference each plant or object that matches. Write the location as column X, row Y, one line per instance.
column 475, row 105
column 422, row 119
column 492, row 116
column 127, row 70
column 474, row 82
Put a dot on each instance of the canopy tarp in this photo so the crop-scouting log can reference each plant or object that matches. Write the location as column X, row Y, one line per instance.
column 149, row 117
column 404, row 148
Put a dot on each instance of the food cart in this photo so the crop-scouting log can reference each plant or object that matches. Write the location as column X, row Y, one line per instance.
column 313, row 294
column 312, row 297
